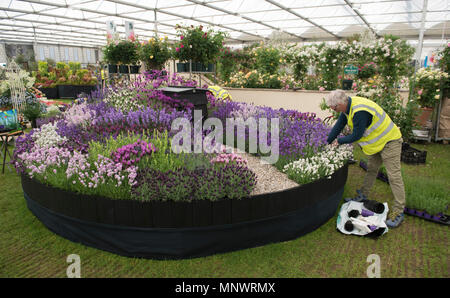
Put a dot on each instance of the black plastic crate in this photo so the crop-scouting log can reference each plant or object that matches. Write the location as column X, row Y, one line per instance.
column 412, row 155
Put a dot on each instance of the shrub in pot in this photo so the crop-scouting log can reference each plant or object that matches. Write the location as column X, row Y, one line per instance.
column 155, row 53
column 31, row 112
column 198, row 45
column 112, row 56
column 127, row 54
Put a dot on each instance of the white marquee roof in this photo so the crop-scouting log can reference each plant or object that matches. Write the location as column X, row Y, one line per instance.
column 83, row 22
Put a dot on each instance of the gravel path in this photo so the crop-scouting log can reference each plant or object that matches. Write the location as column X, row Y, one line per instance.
column 269, row 178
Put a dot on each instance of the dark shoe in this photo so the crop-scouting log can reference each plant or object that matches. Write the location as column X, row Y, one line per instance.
column 395, row 220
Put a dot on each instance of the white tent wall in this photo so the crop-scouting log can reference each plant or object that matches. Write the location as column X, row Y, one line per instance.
column 56, row 52
column 3, row 58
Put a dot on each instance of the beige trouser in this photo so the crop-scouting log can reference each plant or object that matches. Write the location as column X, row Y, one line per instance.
column 390, row 157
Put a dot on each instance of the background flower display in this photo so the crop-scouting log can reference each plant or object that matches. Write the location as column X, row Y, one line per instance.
column 155, row 53
column 111, row 53
column 127, row 52
column 63, row 74
column 427, row 86
column 387, row 57
column 198, row 45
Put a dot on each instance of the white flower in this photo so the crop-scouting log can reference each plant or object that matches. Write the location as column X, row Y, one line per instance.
column 47, row 136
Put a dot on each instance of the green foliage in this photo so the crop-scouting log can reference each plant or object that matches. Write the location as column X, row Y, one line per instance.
column 62, row 66
column 74, row 66
column 32, row 111
column 300, row 67
column 423, row 193
column 367, row 70
column 112, row 144
column 198, row 45
column 164, row 159
column 111, row 53
column 227, row 63
column 330, row 65
column 393, row 55
column 267, row 60
column 43, row 67
column 444, row 63
column 128, row 52
column 155, row 53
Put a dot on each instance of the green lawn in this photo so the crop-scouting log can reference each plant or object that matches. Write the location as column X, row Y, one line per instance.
column 418, row 248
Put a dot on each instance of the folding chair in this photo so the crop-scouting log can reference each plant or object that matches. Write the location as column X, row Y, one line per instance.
column 5, row 137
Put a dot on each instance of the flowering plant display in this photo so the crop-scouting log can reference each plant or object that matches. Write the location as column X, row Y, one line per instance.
column 111, row 53
column 367, row 70
column 443, row 58
column 387, row 57
column 155, row 52
column 63, row 74
column 256, row 79
column 300, row 134
column 427, row 86
column 198, row 45
column 322, row 165
column 268, row 59
column 97, row 147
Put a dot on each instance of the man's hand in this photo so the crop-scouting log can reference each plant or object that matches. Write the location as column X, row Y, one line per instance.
column 335, row 143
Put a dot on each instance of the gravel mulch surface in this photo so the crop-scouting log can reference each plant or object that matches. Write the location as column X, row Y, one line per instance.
column 269, row 178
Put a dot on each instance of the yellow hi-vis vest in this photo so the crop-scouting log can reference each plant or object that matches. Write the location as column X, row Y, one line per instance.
column 379, row 132
column 219, row 92
column 102, row 72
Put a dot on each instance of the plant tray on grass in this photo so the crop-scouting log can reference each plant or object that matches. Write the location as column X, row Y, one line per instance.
column 412, row 155
column 383, row 177
column 438, row 218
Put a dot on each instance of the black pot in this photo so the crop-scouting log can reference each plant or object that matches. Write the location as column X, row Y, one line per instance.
column 86, row 89
column 112, row 68
column 66, row 91
column 200, row 67
column 347, row 84
column 134, row 68
column 50, row 93
column 124, row 69
column 182, row 67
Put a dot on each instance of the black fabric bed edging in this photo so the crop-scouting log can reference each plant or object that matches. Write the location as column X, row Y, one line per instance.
column 175, row 230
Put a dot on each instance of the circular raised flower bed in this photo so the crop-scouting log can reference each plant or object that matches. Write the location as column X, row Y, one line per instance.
column 176, row 230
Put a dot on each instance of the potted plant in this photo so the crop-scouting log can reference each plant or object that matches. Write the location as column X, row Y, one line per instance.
column 155, row 53
column 198, row 47
column 111, row 56
column 127, row 54
column 73, row 80
column 427, row 84
column 31, row 112
column 85, row 82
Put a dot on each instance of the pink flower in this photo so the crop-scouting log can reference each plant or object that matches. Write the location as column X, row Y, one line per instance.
column 420, row 92
column 181, row 37
column 181, row 46
column 177, row 49
column 321, row 89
